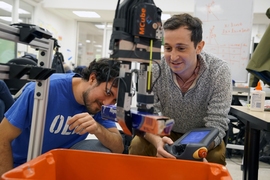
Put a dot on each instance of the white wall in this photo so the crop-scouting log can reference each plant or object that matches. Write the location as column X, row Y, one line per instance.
column 63, row 30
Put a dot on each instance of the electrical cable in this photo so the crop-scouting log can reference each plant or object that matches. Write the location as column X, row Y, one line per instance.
column 157, row 77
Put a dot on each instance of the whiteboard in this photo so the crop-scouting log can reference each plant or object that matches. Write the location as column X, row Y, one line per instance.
column 227, row 26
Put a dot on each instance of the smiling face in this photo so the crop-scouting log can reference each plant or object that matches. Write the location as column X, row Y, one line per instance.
column 179, row 51
column 96, row 95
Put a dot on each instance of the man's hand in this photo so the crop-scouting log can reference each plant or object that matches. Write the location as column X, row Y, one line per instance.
column 83, row 123
column 205, row 160
column 161, row 152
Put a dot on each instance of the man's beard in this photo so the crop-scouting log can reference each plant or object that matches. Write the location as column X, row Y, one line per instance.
column 86, row 103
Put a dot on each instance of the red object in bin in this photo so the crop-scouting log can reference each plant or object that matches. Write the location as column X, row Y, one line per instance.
column 66, row 164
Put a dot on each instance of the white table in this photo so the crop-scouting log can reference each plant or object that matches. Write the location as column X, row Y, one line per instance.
column 254, row 123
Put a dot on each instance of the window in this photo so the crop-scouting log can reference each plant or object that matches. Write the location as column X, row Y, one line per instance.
column 7, row 50
column 90, row 43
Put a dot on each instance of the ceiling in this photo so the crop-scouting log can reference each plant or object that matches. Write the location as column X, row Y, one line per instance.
column 87, row 26
column 106, row 8
column 106, row 15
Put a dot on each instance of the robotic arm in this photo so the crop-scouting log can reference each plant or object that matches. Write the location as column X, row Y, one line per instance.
column 136, row 37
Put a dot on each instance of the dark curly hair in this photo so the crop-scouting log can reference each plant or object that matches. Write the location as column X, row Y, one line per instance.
column 193, row 24
column 106, row 70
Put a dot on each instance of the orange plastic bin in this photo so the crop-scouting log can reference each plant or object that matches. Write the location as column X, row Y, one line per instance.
column 65, row 164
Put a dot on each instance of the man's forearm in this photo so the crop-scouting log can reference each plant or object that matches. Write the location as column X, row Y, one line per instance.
column 111, row 139
column 6, row 160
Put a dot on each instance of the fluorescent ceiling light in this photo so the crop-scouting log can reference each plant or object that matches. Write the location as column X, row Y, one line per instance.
column 8, row 7
column 102, row 26
column 88, row 41
column 9, row 19
column 165, row 16
column 99, row 46
column 98, row 50
column 88, row 14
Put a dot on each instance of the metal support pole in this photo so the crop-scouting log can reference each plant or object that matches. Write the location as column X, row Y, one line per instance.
column 40, row 107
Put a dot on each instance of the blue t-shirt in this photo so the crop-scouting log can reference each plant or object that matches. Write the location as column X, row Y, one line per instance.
column 61, row 106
